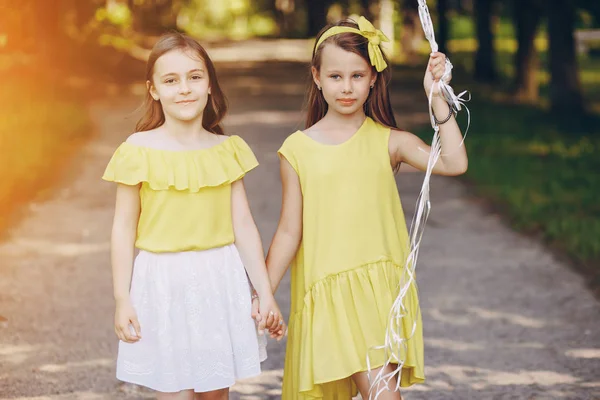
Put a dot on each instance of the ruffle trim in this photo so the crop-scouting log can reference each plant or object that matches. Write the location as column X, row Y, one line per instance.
column 343, row 317
column 189, row 170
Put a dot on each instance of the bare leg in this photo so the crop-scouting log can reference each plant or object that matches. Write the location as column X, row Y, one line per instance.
column 221, row 394
column 183, row 395
column 362, row 382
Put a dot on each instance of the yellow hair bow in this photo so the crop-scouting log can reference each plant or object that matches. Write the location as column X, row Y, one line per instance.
column 368, row 31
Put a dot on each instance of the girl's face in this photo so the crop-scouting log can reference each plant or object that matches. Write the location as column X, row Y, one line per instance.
column 180, row 82
column 345, row 79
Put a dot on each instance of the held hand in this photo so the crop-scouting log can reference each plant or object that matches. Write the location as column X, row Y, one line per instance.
column 272, row 320
column 435, row 69
column 256, row 309
column 125, row 319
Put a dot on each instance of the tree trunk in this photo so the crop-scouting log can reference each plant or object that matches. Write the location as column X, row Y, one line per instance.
column 485, row 70
column 47, row 30
column 84, row 12
column 463, row 6
column 565, row 88
column 527, row 16
column 317, row 16
column 442, row 30
column 412, row 33
column 386, row 24
column 155, row 16
column 284, row 10
column 279, row 17
column 15, row 25
column 367, row 9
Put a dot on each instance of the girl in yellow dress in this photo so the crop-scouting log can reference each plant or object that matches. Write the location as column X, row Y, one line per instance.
column 183, row 303
column 342, row 228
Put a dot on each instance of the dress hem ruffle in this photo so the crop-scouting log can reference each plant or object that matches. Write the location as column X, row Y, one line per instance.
column 369, row 292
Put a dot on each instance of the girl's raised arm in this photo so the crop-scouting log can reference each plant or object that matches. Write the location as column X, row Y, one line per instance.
column 408, row 148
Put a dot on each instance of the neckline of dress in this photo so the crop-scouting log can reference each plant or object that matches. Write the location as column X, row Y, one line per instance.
column 350, row 139
column 198, row 150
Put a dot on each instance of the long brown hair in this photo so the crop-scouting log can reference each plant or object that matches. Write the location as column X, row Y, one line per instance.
column 378, row 104
column 217, row 103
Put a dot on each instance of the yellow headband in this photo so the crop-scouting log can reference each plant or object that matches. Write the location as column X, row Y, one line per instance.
column 366, row 30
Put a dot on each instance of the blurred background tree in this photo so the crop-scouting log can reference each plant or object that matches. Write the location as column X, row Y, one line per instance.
column 542, row 53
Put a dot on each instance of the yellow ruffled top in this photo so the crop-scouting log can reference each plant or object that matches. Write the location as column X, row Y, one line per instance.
column 185, row 195
column 346, row 273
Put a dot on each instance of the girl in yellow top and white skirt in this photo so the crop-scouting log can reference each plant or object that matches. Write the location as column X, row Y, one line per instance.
column 183, row 305
column 342, row 228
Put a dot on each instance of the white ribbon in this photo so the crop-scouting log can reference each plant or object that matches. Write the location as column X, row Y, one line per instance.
column 395, row 344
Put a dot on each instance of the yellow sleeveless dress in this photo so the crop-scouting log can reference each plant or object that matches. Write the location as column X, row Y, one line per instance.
column 346, row 273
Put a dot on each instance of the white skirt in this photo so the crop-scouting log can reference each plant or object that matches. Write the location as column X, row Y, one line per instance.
column 194, row 310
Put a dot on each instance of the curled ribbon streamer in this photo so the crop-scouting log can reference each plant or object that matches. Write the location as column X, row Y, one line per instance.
column 395, row 343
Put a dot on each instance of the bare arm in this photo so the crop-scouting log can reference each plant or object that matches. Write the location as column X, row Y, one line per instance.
column 247, row 240
column 124, row 229
column 249, row 245
column 408, row 148
column 289, row 231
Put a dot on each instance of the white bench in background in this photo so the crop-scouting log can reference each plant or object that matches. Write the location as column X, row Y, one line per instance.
column 583, row 37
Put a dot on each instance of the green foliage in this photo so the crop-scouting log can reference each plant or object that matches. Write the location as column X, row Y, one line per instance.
column 463, row 27
column 235, row 19
column 540, row 172
column 589, row 68
column 116, row 14
column 262, row 24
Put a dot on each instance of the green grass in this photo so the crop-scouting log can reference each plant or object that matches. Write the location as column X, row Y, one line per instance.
column 40, row 127
column 541, row 171
column 543, row 175
column 545, row 178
